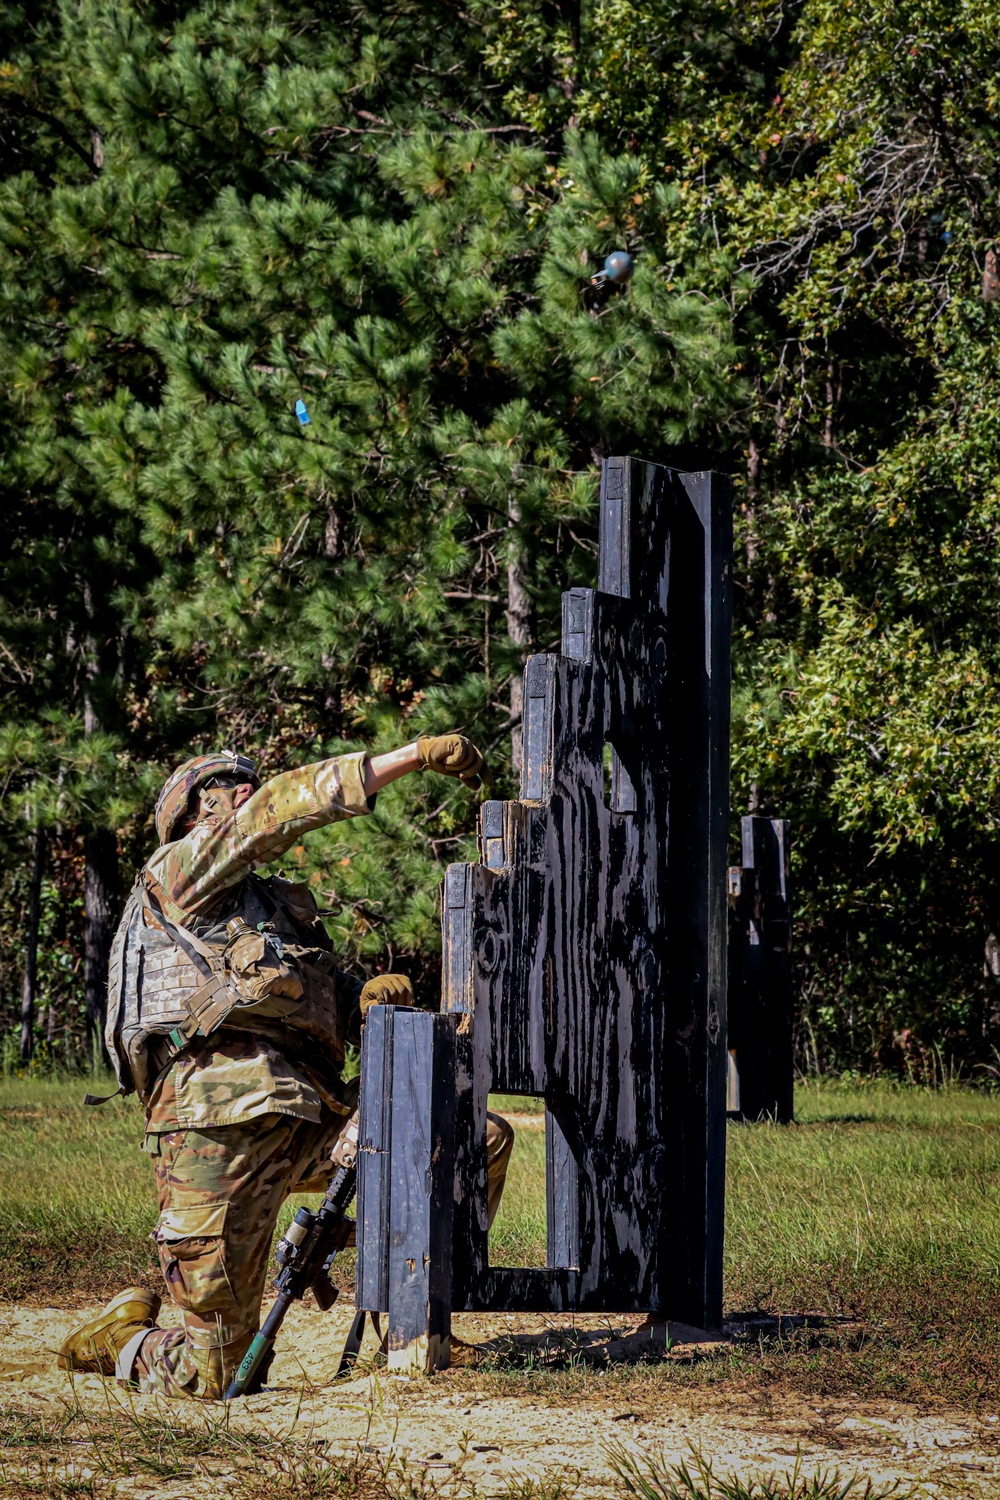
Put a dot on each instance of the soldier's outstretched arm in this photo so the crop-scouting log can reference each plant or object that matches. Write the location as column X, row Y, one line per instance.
column 448, row 754
column 218, row 852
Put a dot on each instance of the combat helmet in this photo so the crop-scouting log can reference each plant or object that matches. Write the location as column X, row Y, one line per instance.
column 173, row 801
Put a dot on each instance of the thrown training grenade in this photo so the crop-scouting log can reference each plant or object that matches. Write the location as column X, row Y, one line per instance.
column 617, row 269
column 301, row 412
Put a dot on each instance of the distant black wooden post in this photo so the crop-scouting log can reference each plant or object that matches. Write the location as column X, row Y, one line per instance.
column 760, row 977
column 585, row 957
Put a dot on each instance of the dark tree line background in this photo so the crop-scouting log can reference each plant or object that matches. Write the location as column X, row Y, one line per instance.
column 392, row 211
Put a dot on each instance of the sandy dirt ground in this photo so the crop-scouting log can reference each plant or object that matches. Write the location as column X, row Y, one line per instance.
column 463, row 1436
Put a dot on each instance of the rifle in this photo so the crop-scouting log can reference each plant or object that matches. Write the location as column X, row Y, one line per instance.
column 304, row 1257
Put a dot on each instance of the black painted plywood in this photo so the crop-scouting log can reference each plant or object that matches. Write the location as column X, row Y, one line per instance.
column 588, row 950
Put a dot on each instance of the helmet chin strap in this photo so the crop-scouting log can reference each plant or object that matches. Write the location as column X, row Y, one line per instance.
column 212, row 801
column 220, row 801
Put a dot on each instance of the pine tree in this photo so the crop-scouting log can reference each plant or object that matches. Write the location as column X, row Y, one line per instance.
column 216, row 213
column 75, row 749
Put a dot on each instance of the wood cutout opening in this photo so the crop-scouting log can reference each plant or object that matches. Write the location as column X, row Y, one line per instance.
column 733, row 1084
column 608, row 774
column 517, row 1235
column 619, row 793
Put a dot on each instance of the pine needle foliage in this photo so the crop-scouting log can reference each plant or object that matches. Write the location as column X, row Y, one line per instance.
column 218, row 211
column 391, row 213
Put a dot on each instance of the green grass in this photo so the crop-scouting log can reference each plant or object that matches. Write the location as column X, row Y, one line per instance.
column 80, row 1453
column 880, row 1205
column 696, row 1478
column 894, row 1186
column 878, row 1210
column 77, row 1199
column 76, row 1194
column 517, row 1237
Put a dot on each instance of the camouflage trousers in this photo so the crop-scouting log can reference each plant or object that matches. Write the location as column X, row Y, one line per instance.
column 220, row 1192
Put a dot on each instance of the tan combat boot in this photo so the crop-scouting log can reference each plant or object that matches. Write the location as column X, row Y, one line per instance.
column 94, row 1347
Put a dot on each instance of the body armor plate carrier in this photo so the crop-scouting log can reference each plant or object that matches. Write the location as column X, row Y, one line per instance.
column 272, row 974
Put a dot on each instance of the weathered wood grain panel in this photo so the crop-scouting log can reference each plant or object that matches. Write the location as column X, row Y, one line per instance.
column 406, row 1180
column 374, row 1141
column 421, row 1189
column 589, row 947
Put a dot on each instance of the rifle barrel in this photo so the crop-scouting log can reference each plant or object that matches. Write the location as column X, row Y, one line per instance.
column 298, row 1276
column 263, row 1343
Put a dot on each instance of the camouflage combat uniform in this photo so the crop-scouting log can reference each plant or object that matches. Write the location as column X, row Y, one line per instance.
column 237, row 1121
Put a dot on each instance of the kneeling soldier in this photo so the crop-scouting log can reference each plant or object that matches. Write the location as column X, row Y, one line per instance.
column 229, row 1017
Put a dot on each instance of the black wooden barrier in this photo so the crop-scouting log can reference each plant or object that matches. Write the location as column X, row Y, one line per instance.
column 406, row 1179
column 585, row 962
column 760, row 976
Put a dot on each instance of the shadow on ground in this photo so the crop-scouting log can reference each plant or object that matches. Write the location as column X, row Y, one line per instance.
column 617, row 1343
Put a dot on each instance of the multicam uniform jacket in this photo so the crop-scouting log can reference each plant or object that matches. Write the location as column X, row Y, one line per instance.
column 232, row 1077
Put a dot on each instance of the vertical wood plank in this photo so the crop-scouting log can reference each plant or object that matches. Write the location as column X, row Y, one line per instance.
column 613, row 558
column 462, row 972
column 578, row 624
column 536, row 771
column 491, row 840
column 562, row 1197
column 456, row 921
column 374, row 1144
column 717, row 515
column 422, row 1190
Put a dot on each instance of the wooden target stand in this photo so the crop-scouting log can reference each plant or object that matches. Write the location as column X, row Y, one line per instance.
column 761, row 1034
column 584, row 963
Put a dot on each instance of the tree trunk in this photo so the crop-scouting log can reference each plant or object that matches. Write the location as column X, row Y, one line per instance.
column 29, row 984
column 100, row 891
column 518, row 622
column 100, row 875
column 750, row 507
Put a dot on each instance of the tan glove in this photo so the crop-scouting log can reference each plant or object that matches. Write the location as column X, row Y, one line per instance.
column 452, row 755
column 386, row 989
